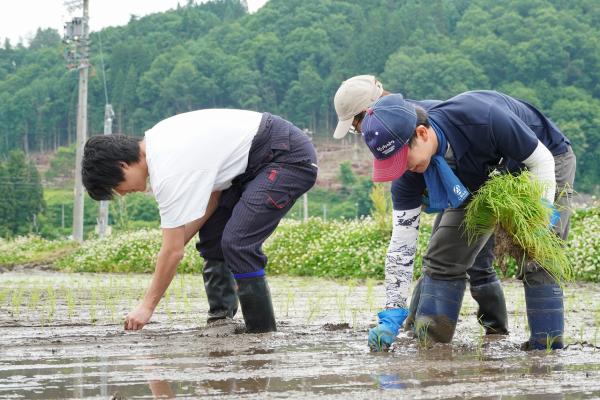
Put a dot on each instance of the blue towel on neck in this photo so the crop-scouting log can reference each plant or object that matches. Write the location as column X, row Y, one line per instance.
column 443, row 187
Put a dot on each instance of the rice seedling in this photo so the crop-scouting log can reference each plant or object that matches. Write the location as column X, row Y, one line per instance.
column 512, row 205
column 34, row 299
column 105, row 296
column 570, row 302
column 341, row 301
column 480, row 340
column 166, row 302
column 422, row 333
column 181, row 295
column 51, row 303
column 92, row 306
column 111, row 307
column 596, row 316
column 3, row 295
column 187, row 305
column 351, row 285
column 168, row 311
column 70, row 300
column 201, row 292
column 314, row 307
column 289, row 300
column 549, row 342
column 581, row 333
column 16, row 300
column 370, row 294
column 354, row 311
column 465, row 310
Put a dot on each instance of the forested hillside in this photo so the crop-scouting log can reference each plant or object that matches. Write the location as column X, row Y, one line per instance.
column 290, row 57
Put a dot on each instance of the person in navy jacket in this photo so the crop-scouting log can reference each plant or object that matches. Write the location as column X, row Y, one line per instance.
column 448, row 152
column 353, row 97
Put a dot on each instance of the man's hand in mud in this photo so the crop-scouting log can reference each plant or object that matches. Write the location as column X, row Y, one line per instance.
column 139, row 317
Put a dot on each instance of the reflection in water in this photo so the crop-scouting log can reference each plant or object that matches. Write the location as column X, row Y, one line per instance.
column 161, row 390
column 220, row 353
column 329, row 384
column 262, row 372
column 389, row 382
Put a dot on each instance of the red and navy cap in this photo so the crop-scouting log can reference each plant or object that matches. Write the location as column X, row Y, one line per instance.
column 387, row 127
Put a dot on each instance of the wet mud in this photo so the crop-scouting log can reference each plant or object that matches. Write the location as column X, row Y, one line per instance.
column 61, row 336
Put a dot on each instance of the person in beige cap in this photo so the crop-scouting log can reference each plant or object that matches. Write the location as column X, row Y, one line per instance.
column 353, row 98
column 351, row 101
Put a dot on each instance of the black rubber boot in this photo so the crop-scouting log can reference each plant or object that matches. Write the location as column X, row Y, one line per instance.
column 409, row 323
column 257, row 307
column 491, row 313
column 439, row 306
column 220, row 291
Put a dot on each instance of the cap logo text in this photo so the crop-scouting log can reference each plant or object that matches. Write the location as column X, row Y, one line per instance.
column 385, row 146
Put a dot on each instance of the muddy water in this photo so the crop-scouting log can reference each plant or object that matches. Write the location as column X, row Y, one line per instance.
column 61, row 337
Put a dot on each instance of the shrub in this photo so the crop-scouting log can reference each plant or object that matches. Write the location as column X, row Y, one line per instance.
column 32, row 249
column 125, row 252
column 584, row 244
column 337, row 249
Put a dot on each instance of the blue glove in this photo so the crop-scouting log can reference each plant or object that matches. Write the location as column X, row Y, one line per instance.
column 554, row 213
column 382, row 336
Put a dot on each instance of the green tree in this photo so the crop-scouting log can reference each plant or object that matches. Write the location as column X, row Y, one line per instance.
column 23, row 196
column 346, row 175
column 290, row 57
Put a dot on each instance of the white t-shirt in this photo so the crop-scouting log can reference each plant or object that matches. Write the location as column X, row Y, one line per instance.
column 193, row 154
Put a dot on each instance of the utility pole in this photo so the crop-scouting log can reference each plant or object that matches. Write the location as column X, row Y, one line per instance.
column 103, row 211
column 76, row 33
column 102, row 223
column 305, row 206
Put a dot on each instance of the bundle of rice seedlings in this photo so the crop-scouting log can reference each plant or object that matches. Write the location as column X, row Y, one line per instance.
column 511, row 205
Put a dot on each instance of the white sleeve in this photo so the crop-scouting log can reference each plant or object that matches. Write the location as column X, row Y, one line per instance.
column 401, row 257
column 183, row 198
column 541, row 165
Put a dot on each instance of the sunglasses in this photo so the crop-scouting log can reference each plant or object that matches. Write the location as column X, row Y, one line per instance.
column 357, row 120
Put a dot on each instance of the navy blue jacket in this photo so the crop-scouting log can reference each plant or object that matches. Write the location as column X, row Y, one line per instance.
column 483, row 128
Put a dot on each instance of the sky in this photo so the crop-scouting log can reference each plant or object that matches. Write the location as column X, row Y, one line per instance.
column 20, row 19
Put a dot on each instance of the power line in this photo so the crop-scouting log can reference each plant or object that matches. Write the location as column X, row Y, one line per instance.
column 103, row 69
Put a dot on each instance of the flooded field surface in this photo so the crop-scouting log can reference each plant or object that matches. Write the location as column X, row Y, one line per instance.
column 61, row 336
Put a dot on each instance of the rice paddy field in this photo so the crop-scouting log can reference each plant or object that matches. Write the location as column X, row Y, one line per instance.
column 62, row 337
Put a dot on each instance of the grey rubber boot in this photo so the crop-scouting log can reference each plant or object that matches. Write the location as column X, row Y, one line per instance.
column 409, row 323
column 439, row 306
column 491, row 313
column 257, row 307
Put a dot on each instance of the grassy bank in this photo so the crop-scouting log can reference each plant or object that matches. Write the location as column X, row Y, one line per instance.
column 333, row 248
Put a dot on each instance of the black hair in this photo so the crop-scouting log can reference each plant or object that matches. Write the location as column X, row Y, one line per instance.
column 422, row 119
column 101, row 166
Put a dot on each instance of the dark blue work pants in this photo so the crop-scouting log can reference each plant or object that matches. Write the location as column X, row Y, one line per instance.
column 281, row 167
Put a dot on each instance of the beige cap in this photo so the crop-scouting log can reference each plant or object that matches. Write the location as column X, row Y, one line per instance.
column 354, row 95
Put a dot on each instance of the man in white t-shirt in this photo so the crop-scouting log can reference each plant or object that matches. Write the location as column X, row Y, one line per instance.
column 229, row 175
